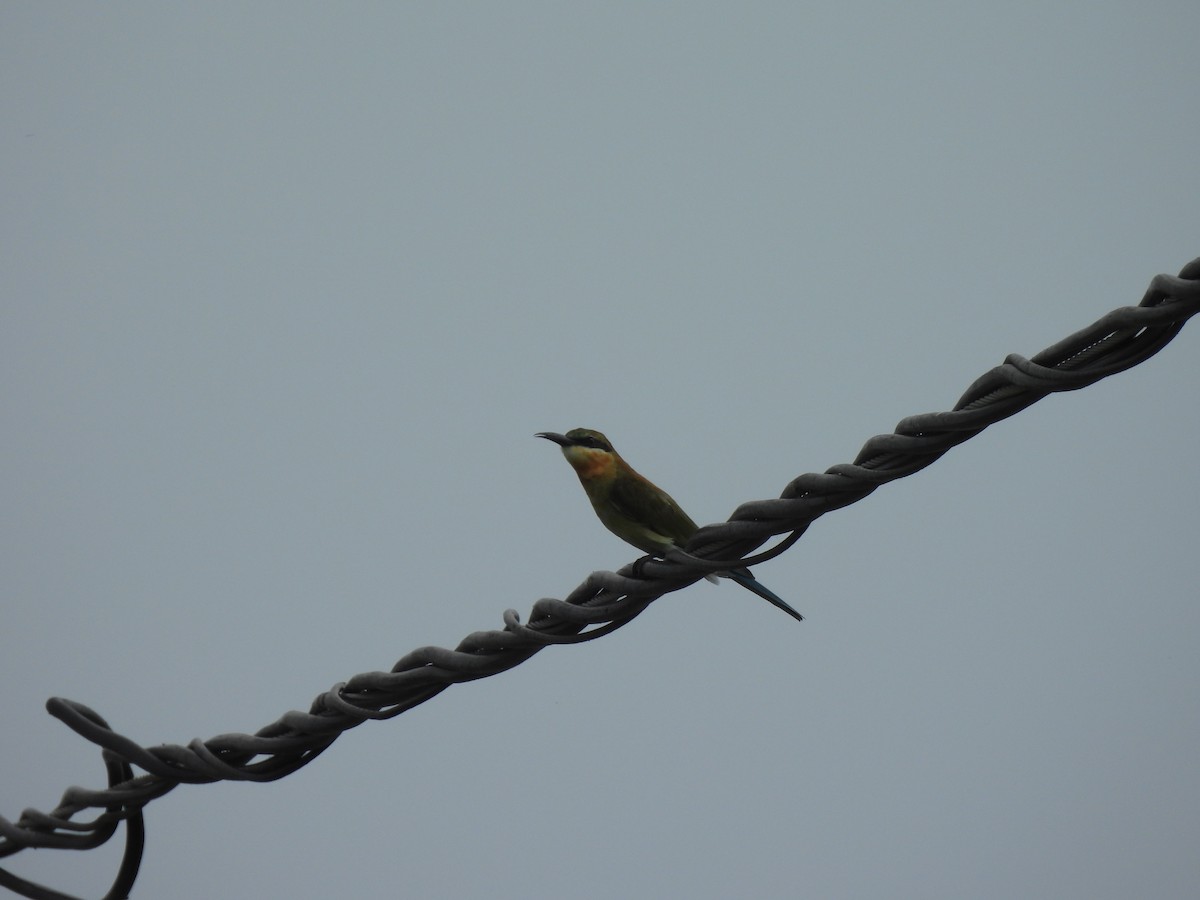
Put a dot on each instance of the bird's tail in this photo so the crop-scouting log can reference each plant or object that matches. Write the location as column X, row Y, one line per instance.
column 752, row 584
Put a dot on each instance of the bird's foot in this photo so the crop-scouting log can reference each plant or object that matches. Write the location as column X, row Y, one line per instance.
column 640, row 564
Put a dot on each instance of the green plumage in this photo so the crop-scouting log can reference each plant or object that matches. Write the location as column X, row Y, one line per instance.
column 633, row 508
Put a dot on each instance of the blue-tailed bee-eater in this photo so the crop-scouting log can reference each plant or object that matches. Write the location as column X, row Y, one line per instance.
column 633, row 508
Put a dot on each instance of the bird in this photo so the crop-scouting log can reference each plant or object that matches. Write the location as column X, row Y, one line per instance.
column 633, row 508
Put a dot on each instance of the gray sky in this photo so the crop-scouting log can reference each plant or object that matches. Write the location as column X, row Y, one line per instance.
column 287, row 291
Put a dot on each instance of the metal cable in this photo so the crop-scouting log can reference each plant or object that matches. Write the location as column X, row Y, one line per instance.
column 604, row 602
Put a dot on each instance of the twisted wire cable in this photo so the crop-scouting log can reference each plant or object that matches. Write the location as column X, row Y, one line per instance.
column 604, row 602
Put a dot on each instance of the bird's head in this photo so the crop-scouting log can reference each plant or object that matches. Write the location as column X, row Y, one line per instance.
column 589, row 452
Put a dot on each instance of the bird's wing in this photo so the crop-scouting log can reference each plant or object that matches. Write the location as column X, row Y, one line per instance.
column 654, row 509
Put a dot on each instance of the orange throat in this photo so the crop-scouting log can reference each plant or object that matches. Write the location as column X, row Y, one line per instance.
column 590, row 464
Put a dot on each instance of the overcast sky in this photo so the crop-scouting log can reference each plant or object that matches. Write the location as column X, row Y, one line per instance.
column 287, row 290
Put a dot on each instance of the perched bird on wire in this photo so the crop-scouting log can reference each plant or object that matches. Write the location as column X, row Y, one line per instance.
column 634, row 509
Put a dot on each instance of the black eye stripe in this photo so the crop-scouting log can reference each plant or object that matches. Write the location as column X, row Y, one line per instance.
column 580, row 437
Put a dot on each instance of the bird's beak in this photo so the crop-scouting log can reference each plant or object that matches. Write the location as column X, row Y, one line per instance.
column 561, row 439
